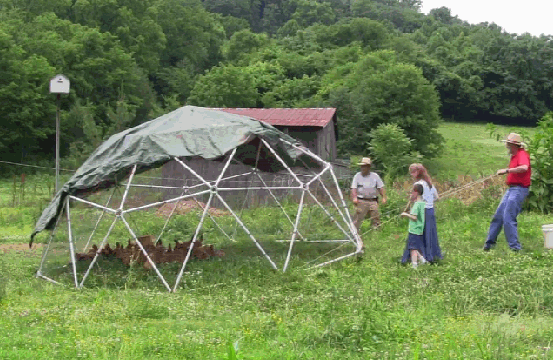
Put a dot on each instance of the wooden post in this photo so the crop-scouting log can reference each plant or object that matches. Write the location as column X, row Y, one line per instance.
column 14, row 190
column 23, row 187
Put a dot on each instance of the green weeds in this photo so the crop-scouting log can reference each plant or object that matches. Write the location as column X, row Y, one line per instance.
column 470, row 305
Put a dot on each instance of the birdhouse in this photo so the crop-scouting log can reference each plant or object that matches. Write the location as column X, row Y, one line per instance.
column 59, row 84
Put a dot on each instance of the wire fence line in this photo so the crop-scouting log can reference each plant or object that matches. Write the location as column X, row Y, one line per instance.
column 20, row 191
column 24, row 189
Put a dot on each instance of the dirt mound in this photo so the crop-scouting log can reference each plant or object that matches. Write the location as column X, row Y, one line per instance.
column 156, row 251
column 185, row 206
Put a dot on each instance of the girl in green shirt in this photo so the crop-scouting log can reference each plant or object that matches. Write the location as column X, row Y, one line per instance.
column 415, row 242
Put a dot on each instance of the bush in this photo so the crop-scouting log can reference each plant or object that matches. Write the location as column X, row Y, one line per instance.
column 541, row 153
column 392, row 149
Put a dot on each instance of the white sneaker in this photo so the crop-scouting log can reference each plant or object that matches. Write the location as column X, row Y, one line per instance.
column 414, row 265
column 423, row 260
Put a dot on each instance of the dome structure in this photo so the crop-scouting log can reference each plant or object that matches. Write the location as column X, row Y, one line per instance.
column 109, row 199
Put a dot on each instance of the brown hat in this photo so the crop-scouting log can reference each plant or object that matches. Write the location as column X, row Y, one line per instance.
column 514, row 138
column 365, row 161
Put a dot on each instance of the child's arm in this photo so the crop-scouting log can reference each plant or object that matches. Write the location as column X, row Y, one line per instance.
column 412, row 217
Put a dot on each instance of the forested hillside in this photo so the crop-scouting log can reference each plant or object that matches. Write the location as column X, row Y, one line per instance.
column 377, row 61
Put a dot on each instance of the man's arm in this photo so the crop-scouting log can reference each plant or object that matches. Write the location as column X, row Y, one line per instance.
column 524, row 164
column 354, row 195
column 517, row 170
column 382, row 192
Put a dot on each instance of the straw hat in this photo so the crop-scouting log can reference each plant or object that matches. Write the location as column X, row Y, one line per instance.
column 365, row 161
column 514, row 138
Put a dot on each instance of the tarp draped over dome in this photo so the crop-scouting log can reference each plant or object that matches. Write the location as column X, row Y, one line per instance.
column 186, row 132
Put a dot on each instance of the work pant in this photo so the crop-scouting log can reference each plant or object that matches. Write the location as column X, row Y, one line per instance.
column 366, row 208
column 506, row 217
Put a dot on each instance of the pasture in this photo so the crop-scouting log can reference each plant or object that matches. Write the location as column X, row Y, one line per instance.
column 471, row 305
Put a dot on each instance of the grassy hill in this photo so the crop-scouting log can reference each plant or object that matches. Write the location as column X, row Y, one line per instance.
column 472, row 305
column 470, row 150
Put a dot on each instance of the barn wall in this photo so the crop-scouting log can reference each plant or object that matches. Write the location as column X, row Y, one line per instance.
column 175, row 175
column 307, row 135
column 326, row 142
column 322, row 141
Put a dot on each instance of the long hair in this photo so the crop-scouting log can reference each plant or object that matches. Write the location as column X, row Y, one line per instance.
column 420, row 173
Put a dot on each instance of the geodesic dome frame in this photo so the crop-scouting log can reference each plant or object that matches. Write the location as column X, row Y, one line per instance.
column 213, row 190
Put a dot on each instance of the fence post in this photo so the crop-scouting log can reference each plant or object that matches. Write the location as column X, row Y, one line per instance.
column 14, row 190
column 23, row 187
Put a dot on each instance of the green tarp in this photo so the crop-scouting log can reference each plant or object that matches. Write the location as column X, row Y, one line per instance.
column 186, row 132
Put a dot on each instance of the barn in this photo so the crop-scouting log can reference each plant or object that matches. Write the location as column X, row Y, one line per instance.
column 316, row 128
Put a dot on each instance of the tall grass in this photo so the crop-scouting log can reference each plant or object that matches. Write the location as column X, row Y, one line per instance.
column 472, row 305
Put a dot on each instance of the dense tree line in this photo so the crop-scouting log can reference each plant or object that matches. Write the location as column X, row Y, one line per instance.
column 378, row 61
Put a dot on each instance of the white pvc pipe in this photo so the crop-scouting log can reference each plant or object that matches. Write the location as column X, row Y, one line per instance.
column 330, row 215
column 337, row 259
column 298, row 217
column 317, row 176
column 194, row 238
column 282, row 162
column 50, row 280
column 145, row 253
column 279, row 205
column 71, row 246
column 206, row 183
column 350, row 221
column 319, row 241
column 164, row 202
column 99, row 219
column 52, row 234
column 127, row 188
column 263, row 188
column 246, row 230
column 154, row 186
column 98, row 252
column 92, row 204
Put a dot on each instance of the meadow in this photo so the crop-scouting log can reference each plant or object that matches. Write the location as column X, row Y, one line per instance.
column 471, row 305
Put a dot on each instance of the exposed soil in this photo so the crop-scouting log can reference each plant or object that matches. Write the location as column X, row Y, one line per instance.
column 185, row 206
column 19, row 247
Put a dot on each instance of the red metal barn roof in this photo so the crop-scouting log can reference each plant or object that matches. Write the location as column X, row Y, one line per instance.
column 318, row 117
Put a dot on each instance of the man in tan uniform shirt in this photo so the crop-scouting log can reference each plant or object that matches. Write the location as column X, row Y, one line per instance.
column 365, row 188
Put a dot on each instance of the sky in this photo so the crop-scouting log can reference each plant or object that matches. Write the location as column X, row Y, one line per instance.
column 532, row 16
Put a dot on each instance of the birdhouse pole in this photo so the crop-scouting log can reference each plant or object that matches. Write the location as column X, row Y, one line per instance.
column 59, row 84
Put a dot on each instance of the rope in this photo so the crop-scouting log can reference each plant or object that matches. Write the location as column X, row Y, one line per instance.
column 445, row 195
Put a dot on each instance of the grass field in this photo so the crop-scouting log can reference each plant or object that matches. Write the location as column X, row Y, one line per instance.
column 470, row 150
column 471, row 305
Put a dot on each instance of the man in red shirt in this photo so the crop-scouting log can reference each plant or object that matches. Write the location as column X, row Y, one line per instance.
column 518, row 180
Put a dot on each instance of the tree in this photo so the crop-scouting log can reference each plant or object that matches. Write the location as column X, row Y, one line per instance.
column 249, row 10
column 34, row 51
column 224, row 86
column 292, row 93
column 379, row 90
column 309, row 12
column 194, row 35
column 132, row 21
column 25, row 102
column 242, row 43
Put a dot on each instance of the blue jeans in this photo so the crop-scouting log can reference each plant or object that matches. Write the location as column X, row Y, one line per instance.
column 506, row 217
